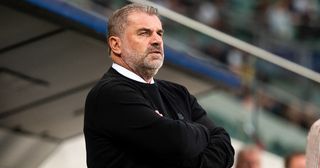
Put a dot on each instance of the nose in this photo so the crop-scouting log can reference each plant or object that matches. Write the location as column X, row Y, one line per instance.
column 156, row 40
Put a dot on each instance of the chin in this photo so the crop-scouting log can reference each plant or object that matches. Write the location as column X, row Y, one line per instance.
column 157, row 66
column 154, row 64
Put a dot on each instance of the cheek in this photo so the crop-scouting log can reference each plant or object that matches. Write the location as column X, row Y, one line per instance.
column 137, row 46
column 141, row 46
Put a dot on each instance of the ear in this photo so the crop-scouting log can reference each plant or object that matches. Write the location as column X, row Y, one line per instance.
column 115, row 43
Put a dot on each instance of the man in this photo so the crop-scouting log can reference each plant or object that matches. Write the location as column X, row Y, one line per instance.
column 135, row 121
column 249, row 157
column 295, row 160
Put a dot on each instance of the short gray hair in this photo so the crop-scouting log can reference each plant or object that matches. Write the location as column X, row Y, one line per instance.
column 118, row 20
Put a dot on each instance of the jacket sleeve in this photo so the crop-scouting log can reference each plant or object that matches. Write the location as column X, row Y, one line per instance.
column 219, row 152
column 125, row 113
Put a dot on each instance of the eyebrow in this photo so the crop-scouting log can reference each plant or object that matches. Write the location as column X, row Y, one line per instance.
column 147, row 29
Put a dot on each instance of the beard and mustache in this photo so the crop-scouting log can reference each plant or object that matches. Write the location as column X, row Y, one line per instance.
column 145, row 64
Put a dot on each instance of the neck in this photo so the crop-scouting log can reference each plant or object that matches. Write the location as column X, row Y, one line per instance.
column 147, row 74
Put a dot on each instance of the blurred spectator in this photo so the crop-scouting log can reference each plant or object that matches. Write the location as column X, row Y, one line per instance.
column 295, row 160
column 280, row 20
column 208, row 14
column 235, row 60
column 301, row 6
column 212, row 13
column 249, row 157
column 260, row 13
column 246, row 97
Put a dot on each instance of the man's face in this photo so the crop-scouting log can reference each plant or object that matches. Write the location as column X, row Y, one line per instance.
column 252, row 159
column 142, row 43
column 298, row 161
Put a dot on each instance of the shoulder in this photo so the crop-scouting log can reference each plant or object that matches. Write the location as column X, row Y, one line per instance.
column 112, row 84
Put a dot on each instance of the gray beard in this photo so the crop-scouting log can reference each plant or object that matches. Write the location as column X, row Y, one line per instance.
column 141, row 68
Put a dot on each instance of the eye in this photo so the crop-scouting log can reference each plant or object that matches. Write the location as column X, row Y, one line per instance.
column 143, row 33
column 160, row 33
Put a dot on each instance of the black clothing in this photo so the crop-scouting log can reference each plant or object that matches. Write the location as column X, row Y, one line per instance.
column 123, row 130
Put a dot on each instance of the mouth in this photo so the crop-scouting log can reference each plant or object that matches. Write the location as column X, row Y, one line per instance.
column 155, row 52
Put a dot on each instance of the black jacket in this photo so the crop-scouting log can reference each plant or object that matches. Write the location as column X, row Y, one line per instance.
column 123, row 130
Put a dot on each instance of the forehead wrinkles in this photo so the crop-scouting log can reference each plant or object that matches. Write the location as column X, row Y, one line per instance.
column 142, row 19
column 134, row 17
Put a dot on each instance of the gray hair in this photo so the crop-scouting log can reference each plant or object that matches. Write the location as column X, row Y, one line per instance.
column 118, row 20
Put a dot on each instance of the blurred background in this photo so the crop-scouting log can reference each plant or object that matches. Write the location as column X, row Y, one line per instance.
column 253, row 65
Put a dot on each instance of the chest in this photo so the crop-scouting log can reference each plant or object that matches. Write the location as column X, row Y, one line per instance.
column 175, row 106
